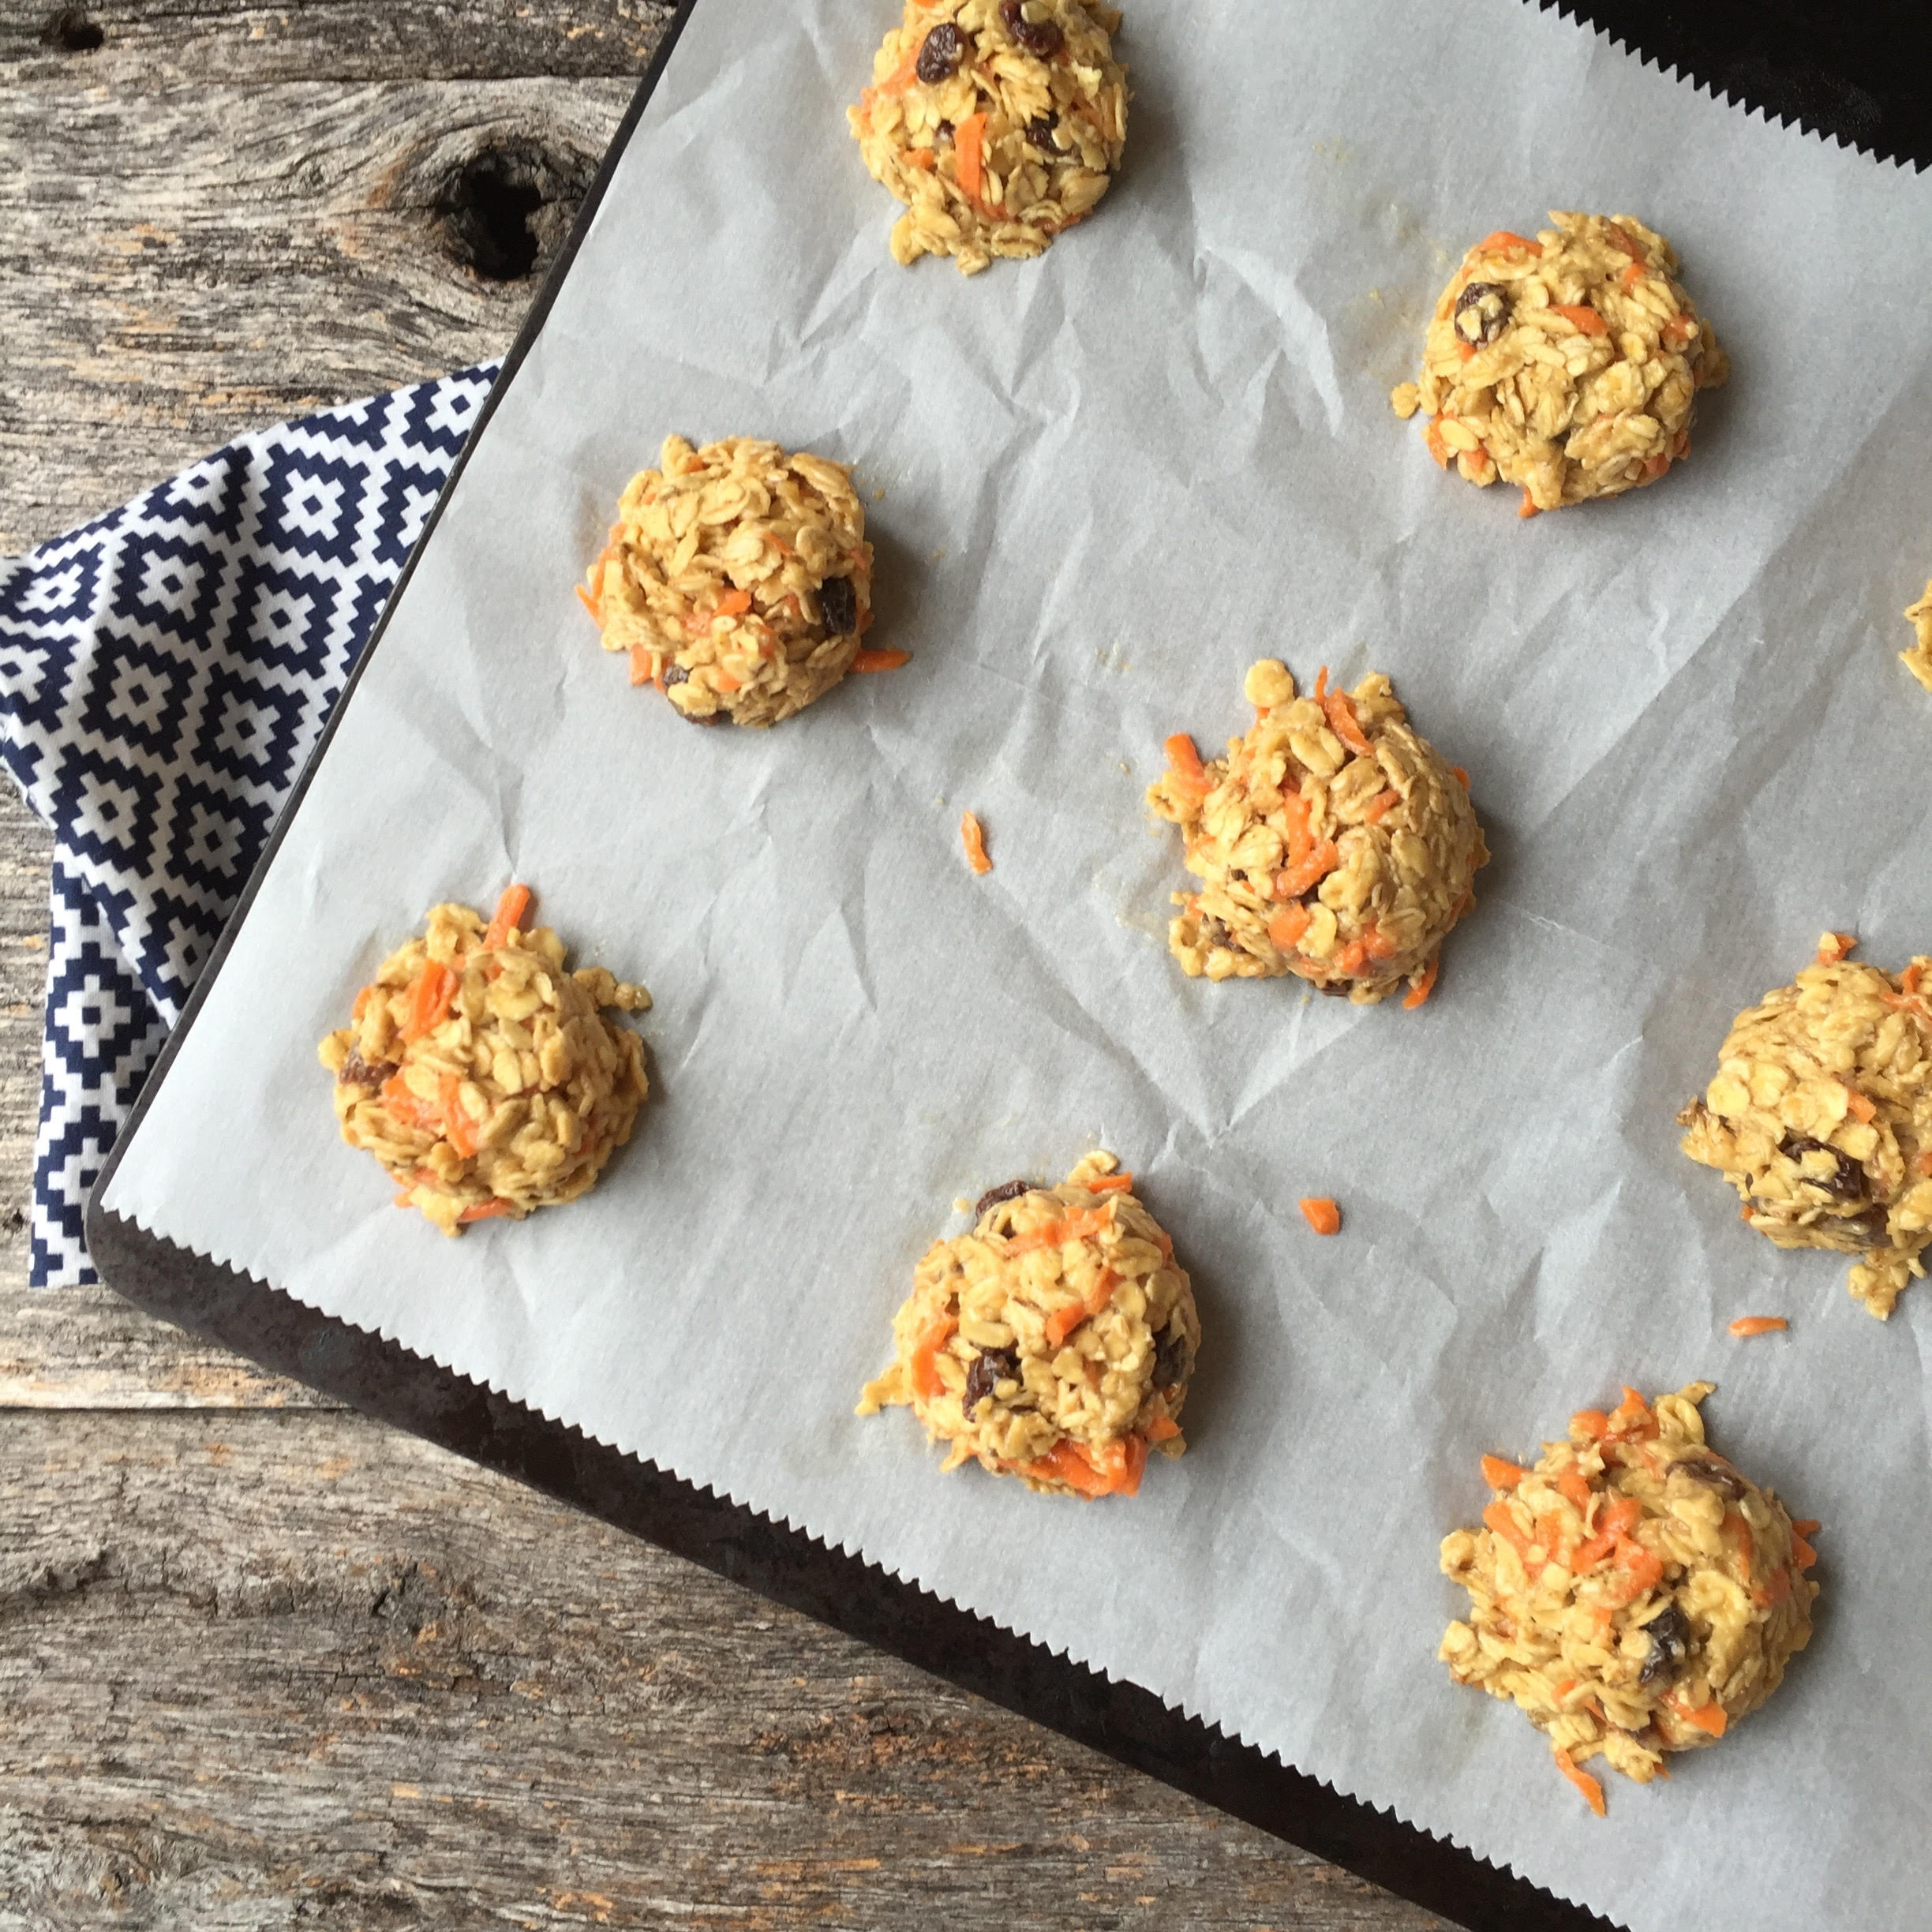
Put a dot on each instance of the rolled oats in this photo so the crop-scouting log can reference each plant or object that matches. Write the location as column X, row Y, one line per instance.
column 1917, row 660
column 1631, row 1592
column 1821, row 1117
column 482, row 1075
column 1054, row 1342
column 737, row 579
column 1332, row 842
column 1569, row 365
column 997, row 122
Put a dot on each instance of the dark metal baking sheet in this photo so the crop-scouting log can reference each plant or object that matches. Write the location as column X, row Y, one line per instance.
column 1847, row 69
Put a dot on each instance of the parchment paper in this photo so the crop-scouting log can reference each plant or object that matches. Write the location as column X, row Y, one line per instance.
column 1100, row 485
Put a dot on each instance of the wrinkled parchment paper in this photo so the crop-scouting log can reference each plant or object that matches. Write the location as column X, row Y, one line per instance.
column 1100, row 485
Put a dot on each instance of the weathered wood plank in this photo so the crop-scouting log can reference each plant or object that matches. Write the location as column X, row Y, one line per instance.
column 132, row 42
column 204, row 260
column 257, row 1666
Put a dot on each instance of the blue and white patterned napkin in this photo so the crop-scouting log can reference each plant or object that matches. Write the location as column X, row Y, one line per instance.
column 163, row 674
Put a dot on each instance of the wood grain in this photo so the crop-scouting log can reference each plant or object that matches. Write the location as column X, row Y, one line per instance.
column 261, row 1662
column 258, row 1664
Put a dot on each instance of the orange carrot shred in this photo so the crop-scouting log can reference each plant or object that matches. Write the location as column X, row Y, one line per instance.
column 1321, row 1214
column 1186, row 761
column 1381, row 805
column 1910, row 978
column 1592, row 1791
column 643, row 665
column 1708, row 1718
column 486, row 1210
column 510, row 910
column 1323, row 856
column 969, row 150
column 1630, row 277
column 1758, row 1324
column 1424, row 986
column 1111, row 1184
column 1862, row 1107
column 1432, row 436
column 361, row 1002
column 1077, row 1226
column 974, row 836
column 1528, row 507
column 923, row 158
column 1575, row 1485
column 1286, row 927
column 1502, row 238
column 880, row 660
column 458, row 1130
column 1321, row 686
column 429, row 1001
column 1584, row 317
column 1622, row 237
column 1679, row 328
column 593, row 606
column 1466, row 350
column 925, row 1358
column 1341, row 709
column 1163, row 1428
column 1803, row 1554
column 1501, row 1475
column 905, row 74
column 1834, row 946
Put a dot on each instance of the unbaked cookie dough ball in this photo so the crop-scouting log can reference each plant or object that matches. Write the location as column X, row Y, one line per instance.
column 484, row 1075
column 1569, row 365
column 1821, row 1117
column 997, row 122
column 1631, row 1592
column 1332, row 842
column 1054, row 1342
column 737, row 579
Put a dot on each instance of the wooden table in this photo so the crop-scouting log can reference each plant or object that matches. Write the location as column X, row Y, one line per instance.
column 262, row 1661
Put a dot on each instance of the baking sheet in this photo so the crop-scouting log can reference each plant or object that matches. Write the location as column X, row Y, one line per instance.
column 1109, row 480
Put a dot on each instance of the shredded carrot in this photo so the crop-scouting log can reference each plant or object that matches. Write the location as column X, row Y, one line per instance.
column 1077, row 1226
column 487, row 1210
column 1583, row 315
column 1321, row 1214
column 1432, row 436
column 1163, row 1428
column 1623, row 238
column 1321, row 685
column 1862, row 1108
column 1500, row 1517
column 1341, row 709
column 1708, row 1718
column 1063, row 1322
column 1654, row 466
column 880, row 660
column 1924, row 1162
column 1679, row 328
column 1593, row 1422
column 1111, row 1184
column 969, row 151
column 1323, row 857
column 1747, row 1543
column 361, row 1002
column 1503, row 239
column 1630, row 277
column 510, row 910
column 1286, row 927
column 429, row 1001
column 593, row 606
column 458, row 1130
column 1381, row 805
column 1466, row 350
column 1806, row 1525
column 1910, row 978
column 1575, row 1484
column 643, row 665
column 1186, row 761
column 923, row 158
column 1527, row 507
column 1592, row 1790
column 1092, row 1473
column 925, row 1358
column 974, row 837
column 1833, row 946
column 1803, row 1554
column 1640, row 1568
column 1500, row 1475
column 1424, row 986
column 724, row 680
column 1774, row 1593
column 903, row 75
column 1758, row 1324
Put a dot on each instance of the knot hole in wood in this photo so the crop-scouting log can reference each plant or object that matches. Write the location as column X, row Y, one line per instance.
column 507, row 207
column 72, row 32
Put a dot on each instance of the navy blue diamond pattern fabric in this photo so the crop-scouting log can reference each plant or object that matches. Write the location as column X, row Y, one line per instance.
column 163, row 674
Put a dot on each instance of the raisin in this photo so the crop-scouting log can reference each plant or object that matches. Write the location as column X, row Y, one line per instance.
column 1845, row 1183
column 1040, row 132
column 357, row 1072
column 1669, row 1633
column 1874, row 1225
column 1216, row 934
column 1714, row 1473
column 838, row 603
column 1006, row 1190
column 1041, row 37
column 939, row 59
column 676, row 674
column 1170, row 1358
column 990, row 1367
column 1481, row 311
